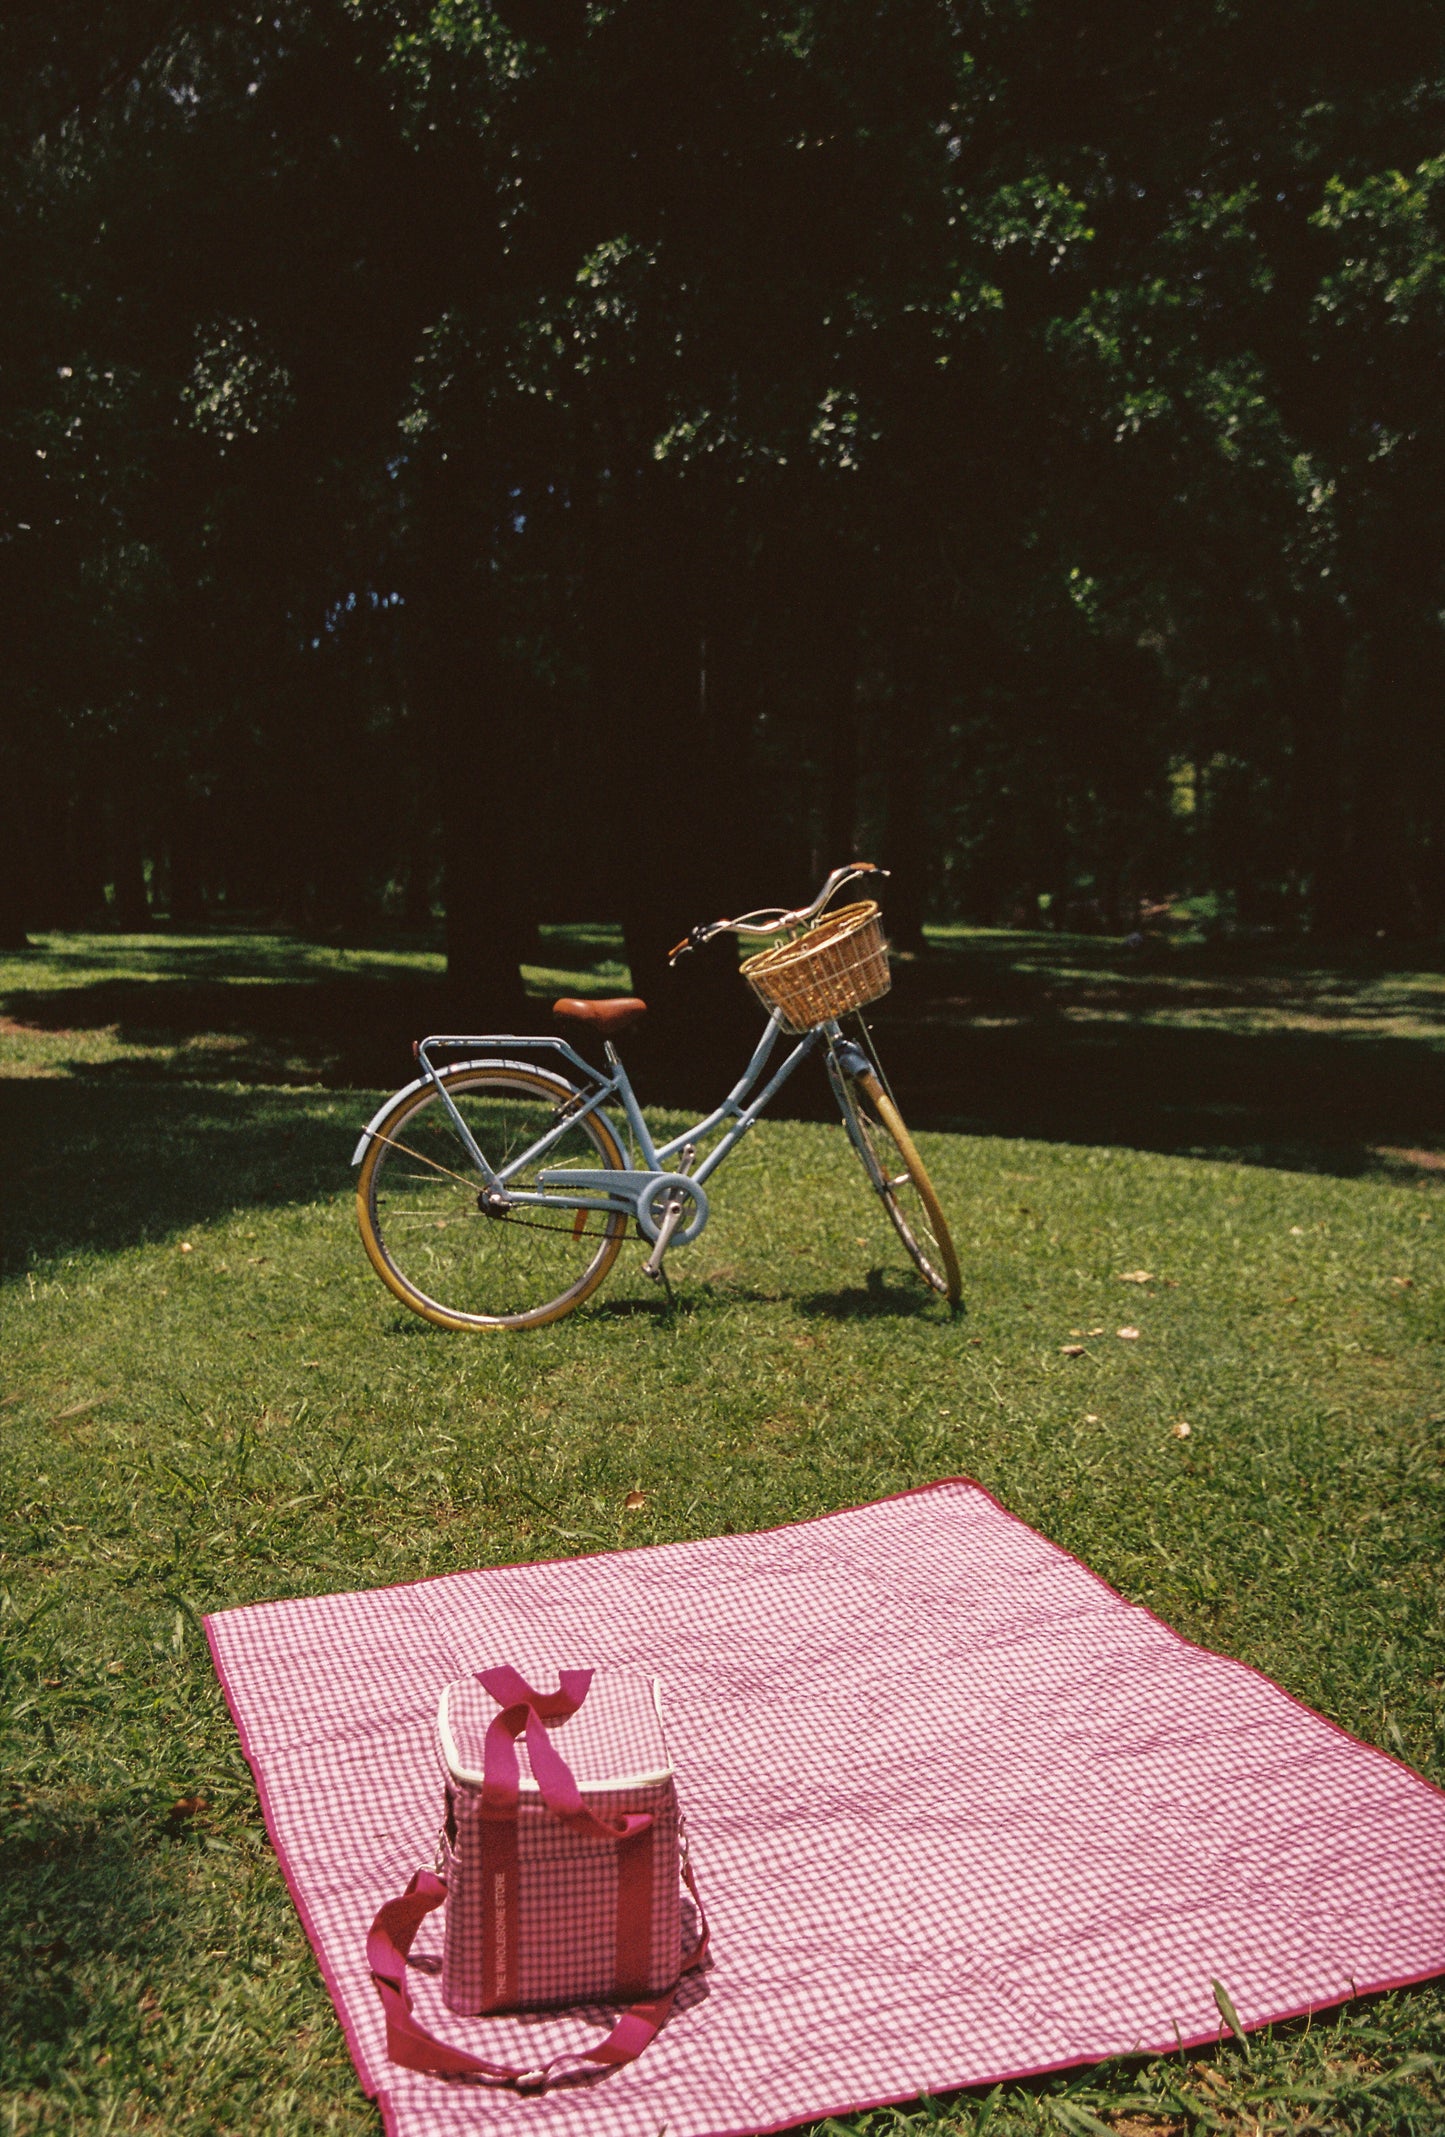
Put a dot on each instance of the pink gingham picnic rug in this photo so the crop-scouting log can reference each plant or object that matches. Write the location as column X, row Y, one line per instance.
column 958, row 1812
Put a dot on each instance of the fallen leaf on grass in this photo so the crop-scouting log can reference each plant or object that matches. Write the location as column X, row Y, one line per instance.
column 1089, row 1418
column 1072, row 1350
column 1096, row 1331
column 1136, row 1276
column 187, row 1807
column 634, row 1502
column 1128, row 1335
column 6, row 1400
column 186, row 1247
column 115, row 1669
column 1181, row 1428
column 1406, row 1283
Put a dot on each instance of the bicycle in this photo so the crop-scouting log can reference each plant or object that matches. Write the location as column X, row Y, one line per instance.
column 495, row 1193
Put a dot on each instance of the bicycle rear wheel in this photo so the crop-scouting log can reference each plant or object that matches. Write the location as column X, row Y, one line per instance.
column 898, row 1177
column 430, row 1238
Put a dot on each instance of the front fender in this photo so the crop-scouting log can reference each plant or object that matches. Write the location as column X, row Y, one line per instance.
column 563, row 1088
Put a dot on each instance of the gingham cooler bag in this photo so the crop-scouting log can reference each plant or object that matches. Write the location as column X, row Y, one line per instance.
column 562, row 1867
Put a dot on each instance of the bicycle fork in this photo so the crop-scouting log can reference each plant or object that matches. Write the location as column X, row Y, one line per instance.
column 672, row 1217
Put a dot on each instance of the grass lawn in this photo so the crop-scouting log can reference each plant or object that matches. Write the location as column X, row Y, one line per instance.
column 207, row 1399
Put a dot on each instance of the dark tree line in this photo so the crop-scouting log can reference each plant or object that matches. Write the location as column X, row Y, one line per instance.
column 552, row 458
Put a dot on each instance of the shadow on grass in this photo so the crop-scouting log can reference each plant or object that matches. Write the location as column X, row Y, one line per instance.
column 100, row 1166
column 74, row 1893
column 885, row 1297
column 1314, row 1067
column 665, row 1307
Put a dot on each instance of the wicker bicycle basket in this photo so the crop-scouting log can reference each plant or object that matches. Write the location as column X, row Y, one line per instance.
column 838, row 965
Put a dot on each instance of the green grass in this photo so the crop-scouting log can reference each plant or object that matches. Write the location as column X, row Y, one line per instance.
column 1278, row 1054
column 181, row 1431
column 1094, row 979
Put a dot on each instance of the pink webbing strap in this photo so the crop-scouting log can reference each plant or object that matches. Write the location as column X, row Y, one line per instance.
column 409, row 2043
column 522, row 1708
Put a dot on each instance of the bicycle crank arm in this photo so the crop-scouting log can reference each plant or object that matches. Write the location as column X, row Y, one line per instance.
column 679, row 1192
column 671, row 1220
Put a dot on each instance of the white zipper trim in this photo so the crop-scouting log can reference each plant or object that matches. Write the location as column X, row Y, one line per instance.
column 470, row 1779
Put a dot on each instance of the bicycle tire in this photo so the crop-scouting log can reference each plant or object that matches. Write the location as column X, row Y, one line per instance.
column 878, row 1133
column 499, row 1268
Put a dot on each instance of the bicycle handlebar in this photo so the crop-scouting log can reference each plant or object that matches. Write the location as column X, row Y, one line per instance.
column 773, row 919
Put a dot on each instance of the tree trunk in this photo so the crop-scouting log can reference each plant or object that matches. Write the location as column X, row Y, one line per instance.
column 840, row 800
column 469, row 713
column 664, row 692
column 187, row 902
column 483, row 808
column 904, row 855
column 127, row 862
column 14, row 878
column 85, row 842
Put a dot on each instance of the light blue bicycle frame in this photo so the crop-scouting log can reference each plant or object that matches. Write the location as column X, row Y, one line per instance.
column 646, row 1192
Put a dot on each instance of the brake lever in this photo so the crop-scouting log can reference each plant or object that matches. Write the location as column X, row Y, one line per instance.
column 692, row 940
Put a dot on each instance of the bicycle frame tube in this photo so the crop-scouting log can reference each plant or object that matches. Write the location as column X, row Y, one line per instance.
column 495, row 1179
column 735, row 1108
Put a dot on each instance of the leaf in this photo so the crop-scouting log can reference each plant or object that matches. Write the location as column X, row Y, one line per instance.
column 187, row 1807
column 1072, row 1350
column 634, row 1502
column 1129, row 1335
column 1136, row 1276
column 1181, row 1428
column 1228, row 2013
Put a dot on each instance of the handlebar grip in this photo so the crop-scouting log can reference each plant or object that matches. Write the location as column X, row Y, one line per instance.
column 694, row 939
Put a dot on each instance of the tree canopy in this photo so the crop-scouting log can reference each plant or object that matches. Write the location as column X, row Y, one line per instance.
column 599, row 456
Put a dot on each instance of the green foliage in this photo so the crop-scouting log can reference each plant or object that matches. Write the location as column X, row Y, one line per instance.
column 389, row 373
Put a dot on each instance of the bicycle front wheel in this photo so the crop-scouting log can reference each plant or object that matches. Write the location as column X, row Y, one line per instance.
column 430, row 1238
column 896, row 1172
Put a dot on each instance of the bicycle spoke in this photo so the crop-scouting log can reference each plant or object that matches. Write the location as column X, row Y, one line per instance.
column 422, row 1158
column 440, row 1249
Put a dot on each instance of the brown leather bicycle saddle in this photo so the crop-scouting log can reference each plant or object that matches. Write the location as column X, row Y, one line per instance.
column 605, row 1016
